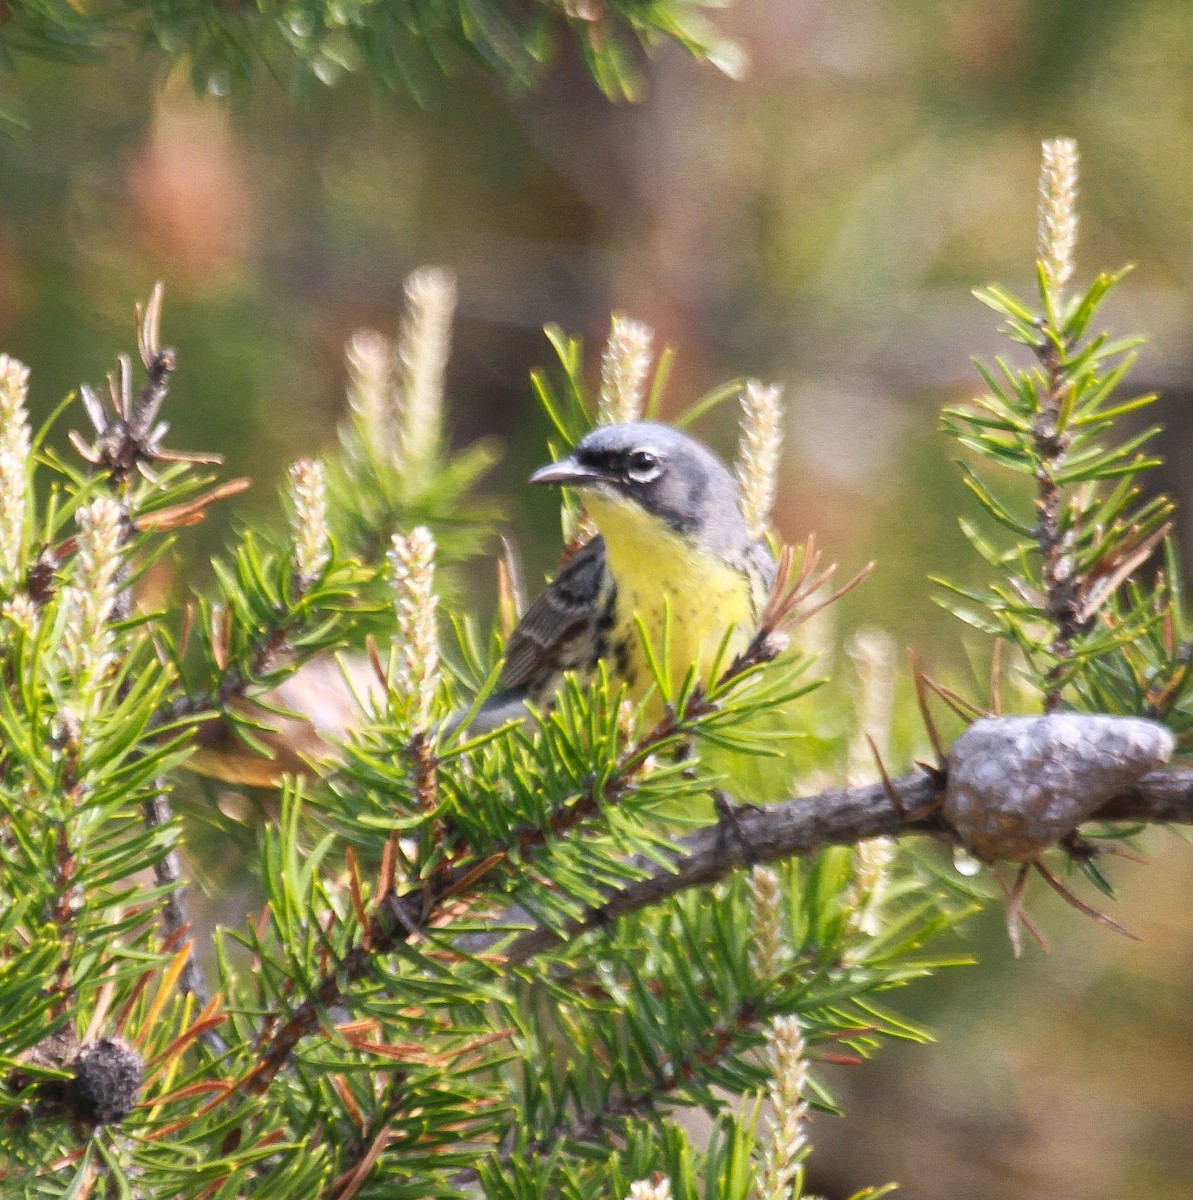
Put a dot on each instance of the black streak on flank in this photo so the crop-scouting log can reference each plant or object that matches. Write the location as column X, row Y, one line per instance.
column 621, row 661
column 605, row 620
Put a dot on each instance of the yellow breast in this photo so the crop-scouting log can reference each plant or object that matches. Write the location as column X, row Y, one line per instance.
column 669, row 583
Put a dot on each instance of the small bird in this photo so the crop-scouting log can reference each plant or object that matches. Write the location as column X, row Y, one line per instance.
column 672, row 550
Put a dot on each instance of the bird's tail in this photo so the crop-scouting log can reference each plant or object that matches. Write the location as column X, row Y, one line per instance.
column 501, row 708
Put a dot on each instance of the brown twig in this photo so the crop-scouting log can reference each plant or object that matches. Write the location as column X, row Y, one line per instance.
column 361, row 1156
column 1080, row 905
column 921, row 699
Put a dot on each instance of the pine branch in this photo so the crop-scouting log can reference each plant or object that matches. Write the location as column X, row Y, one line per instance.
column 361, row 1155
column 397, row 919
column 599, row 1128
column 129, row 439
column 1065, row 596
column 806, row 824
column 1056, row 568
column 412, row 885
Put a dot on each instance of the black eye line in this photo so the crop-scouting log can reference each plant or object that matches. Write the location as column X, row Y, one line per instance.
column 620, row 462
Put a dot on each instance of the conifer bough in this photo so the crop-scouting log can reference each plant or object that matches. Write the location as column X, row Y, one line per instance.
column 805, row 825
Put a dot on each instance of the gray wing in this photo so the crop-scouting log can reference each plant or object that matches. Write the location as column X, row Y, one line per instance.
column 556, row 617
column 760, row 567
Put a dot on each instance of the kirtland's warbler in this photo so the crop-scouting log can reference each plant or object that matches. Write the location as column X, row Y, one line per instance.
column 672, row 550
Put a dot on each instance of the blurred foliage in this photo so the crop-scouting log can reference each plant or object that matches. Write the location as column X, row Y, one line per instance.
column 394, row 44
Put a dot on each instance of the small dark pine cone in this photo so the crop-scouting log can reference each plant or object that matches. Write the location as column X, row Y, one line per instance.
column 1017, row 785
column 107, row 1083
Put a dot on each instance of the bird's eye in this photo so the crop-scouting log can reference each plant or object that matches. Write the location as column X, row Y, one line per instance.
column 642, row 466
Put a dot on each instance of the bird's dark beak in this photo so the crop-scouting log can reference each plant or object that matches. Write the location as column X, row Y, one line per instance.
column 567, row 472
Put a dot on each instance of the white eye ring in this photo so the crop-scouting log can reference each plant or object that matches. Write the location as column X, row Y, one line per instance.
column 642, row 466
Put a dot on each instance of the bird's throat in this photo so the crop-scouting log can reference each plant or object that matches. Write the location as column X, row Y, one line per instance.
column 683, row 594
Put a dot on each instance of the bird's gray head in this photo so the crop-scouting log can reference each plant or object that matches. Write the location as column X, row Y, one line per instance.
column 670, row 475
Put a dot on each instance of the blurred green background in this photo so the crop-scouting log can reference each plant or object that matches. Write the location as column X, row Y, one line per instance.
column 819, row 224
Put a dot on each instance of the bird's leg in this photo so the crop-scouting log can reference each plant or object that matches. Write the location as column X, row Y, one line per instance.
column 728, row 813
